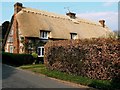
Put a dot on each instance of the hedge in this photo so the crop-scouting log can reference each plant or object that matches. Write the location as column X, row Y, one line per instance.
column 17, row 59
column 94, row 58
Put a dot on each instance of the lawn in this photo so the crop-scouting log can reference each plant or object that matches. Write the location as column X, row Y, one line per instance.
column 99, row 84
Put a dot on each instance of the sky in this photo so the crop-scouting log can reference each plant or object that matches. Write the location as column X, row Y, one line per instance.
column 94, row 11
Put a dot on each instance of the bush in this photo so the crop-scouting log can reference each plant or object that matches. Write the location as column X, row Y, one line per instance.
column 40, row 60
column 17, row 59
column 95, row 58
column 37, row 59
column 34, row 55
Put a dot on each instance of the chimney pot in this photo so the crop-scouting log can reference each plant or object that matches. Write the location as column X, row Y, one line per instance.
column 71, row 15
column 102, row 22
column 17, row 7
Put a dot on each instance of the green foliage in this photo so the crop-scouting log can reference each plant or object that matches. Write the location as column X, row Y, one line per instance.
column 22, row 40
column 31, row 44
column 35, row 55
column 5, row 26
column 112, row 35
column 17, row 59
column 118, row 36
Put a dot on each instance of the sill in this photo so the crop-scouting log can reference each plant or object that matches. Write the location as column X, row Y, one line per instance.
column 43, row 38
column 41, row 56
column 9, row 42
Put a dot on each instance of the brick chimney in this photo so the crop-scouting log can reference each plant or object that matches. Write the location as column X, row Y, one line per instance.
column 17, row 7
column 71, row 15
column 102, row 22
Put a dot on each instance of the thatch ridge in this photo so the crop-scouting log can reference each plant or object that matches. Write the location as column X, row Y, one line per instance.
column 31, row 21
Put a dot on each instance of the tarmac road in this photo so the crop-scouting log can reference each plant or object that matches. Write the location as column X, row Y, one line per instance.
column 15, row 78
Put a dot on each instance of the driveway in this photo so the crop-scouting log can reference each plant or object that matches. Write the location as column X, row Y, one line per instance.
column 15, row 78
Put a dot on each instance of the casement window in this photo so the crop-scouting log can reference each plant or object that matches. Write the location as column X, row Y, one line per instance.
column 11, row 49
column 10, row 39
column 73, row 35
column 44, row 34
column 41, row 51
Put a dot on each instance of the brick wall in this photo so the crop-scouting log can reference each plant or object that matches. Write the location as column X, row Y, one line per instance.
column 15, row 36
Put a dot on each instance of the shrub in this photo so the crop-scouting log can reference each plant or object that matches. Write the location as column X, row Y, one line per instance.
column 95, row 58
column 34, row 55
column 40, row 60
column 17, row 59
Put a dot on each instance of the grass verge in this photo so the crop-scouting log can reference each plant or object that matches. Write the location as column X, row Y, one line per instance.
column 99, row 84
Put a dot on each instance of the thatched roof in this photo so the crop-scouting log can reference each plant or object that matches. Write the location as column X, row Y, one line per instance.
column 31, row 21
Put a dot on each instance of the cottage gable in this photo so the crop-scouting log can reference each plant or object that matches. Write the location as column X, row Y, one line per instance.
column 11, row 38
column 9, row 42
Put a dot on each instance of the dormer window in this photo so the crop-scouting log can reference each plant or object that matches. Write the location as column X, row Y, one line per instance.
column 73, row 35
column 44, row 34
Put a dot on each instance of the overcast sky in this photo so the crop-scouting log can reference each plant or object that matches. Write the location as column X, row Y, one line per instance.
column 88, row 10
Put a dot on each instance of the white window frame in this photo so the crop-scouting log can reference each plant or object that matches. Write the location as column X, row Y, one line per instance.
column 41, row 51
column 44, row 34
column 10, row 39
column 73, row 35
column 11, row 48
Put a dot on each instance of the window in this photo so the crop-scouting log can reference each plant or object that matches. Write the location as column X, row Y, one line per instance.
column 11, row 49
column 73, row 35
column 44, row 34
column 10, row 39
column 41, row 51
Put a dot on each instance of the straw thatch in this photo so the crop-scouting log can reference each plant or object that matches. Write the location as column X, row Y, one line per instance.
column 31, row 21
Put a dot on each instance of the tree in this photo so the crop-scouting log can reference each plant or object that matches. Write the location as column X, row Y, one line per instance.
column 5, row 26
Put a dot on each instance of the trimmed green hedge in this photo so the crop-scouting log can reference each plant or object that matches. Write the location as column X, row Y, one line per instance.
column 17, row 59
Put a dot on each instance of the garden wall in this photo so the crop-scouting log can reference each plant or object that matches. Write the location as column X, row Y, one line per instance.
column 95, row 58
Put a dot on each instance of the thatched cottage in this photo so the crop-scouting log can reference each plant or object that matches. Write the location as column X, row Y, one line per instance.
column 30, row 29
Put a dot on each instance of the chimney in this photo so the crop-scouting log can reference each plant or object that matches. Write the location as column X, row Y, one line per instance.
column 71, row 15
column 102, row 22
column 17, row 7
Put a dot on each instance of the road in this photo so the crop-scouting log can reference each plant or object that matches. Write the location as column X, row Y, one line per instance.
column 16, row 78
column 0, row 71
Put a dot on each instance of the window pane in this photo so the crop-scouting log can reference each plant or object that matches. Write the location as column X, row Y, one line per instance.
column 45, row 34
column 10, row 39
column 39, row 51
column 41, row 34
column 11, row 49
column 73, row 36
column 42, row 51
